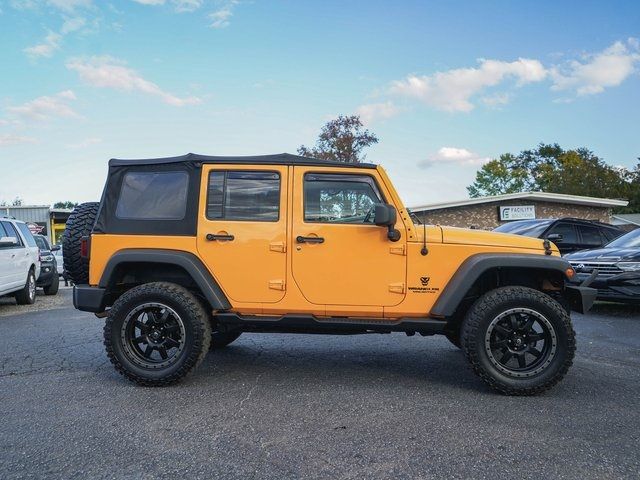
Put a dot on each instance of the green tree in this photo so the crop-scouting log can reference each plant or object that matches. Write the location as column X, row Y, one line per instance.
column 341, row 140
column 549, row 168
column 66, row 204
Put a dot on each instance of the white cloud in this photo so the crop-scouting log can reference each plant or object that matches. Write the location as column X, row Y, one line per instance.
column 50, row 44
column 69, row 5
column 72, row 24
column 11, row 139
column 598, row 71
column 221, row 17
column 496, row 100
column 372, row 112
column 453, row 156
column 453, row 90
column 108, row 72
column 85, row 143
column 46, row 107
column 179, row 5
column 150, row 2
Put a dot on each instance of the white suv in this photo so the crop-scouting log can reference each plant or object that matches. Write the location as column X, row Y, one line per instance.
column 19, row 261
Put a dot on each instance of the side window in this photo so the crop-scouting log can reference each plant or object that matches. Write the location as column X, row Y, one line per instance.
column 153, row 196
column 10, row 231
column 243, row 196
column 567, row 231
column 26, row 234
column 3, row 233
column 339, row 198
column 590, row 235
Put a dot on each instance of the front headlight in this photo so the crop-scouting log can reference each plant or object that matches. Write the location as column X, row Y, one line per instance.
column 46, row 258
column 629, row 266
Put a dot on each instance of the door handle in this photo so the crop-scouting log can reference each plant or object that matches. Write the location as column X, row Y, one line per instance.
column 301, row 239
column 223, row 237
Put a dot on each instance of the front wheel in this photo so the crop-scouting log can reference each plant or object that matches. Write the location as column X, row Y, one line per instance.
column 157, row 333
column 518, row 340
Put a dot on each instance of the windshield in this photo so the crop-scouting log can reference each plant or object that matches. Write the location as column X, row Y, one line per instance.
column 628, row 240
column 41, row 242
column 529, row 228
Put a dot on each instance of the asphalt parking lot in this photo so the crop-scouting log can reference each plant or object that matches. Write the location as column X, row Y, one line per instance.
column 302, row 406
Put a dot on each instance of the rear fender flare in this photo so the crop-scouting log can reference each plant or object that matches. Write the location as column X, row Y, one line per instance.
column 188, row 261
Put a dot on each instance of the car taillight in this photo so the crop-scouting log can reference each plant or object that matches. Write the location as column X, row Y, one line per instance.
column 84, row 247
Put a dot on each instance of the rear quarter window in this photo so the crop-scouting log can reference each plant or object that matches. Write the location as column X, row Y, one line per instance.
column 153, row 196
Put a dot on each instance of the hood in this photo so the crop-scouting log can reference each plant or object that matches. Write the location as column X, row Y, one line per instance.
column 494, row 239
column 606, row 255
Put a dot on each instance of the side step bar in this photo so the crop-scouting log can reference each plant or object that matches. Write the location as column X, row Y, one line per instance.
column 292, row 323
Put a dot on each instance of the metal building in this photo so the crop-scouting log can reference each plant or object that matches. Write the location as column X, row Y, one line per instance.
column 35, row 216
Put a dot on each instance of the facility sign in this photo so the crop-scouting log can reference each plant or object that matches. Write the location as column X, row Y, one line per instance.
column 517, row 212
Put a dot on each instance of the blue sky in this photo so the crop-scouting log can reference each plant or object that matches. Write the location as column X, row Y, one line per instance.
column 445, row 85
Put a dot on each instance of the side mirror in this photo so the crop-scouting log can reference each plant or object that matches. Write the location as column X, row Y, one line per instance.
column 55, row 248
column 554, row 237
column 8, row 241
column 385, row 215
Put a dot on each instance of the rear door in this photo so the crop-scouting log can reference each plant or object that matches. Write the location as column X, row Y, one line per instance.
column 17, row 258
column 7, row 267
column 242, row 230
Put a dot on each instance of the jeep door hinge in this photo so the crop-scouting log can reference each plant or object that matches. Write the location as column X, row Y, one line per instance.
column 399, row 250
column 277, row 285
column 280, row 247
column 396, row 287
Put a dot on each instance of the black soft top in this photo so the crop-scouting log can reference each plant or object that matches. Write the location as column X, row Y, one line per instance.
column 275, row 159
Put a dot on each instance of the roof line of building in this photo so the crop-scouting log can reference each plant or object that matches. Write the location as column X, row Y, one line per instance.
column 540, row 196
column 626, row 218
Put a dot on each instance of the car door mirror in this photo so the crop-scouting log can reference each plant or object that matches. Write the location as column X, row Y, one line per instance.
column 55, row 248
column 385, row 215
column 8, row 241
column 554, row 237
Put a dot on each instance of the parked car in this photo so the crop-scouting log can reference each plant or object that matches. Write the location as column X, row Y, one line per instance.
column 618, row 265
column 57, row 252
column 569, row 234
column 48, row 279
column 19, row 261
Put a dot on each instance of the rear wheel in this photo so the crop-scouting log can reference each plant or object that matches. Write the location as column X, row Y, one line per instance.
column 52, row 288
column 157, row 333
column 27, row 295
column 222, row 339
column 518, row 340
column 79, row 224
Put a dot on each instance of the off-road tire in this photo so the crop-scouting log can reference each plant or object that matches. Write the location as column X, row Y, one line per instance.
column 79, row 224
column 488, row 308
column 193, row 316
column 52, row 288
column 222, row 339
column 27, row 295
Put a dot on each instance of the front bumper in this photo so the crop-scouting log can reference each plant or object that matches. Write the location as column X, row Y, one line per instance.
column 624, row 287
column 88, row 298
column 47, row 271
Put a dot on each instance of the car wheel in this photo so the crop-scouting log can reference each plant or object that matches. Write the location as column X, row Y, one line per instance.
column 518, row 340
column 79, row 224
column 222, row 339
column 27, row 296
column 157, row 333
column 53, row 287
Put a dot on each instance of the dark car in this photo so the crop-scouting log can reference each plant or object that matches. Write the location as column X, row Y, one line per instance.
column 569, row 234
column 618, row 265
column 49, row 279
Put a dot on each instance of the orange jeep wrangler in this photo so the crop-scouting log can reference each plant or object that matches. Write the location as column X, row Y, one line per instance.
column 187, row 253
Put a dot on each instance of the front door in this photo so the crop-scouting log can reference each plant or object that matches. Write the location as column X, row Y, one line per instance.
column 340, row 256
column 242, row 230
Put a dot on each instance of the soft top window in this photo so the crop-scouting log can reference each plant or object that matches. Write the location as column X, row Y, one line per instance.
column 153, row 196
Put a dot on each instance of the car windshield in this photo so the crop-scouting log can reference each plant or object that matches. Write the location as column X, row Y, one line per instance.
column 628, row 240
column 41, row 242
column 528, row 228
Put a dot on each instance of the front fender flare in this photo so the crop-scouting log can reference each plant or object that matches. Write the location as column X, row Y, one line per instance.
column 474, row 266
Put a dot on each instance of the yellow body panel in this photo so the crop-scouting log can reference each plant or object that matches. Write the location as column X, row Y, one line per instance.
column 357, row 271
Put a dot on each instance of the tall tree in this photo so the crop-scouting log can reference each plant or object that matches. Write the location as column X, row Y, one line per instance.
column 549, row 168
column 341, row 140
column 66, row 204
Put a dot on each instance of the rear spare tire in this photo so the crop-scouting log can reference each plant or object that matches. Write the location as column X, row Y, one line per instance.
column 79, row 225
